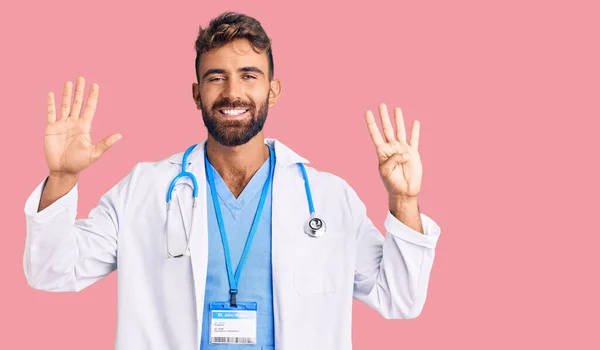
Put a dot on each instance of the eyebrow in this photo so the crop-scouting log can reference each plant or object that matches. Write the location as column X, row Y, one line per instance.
column 252, row 69
column 222, row 71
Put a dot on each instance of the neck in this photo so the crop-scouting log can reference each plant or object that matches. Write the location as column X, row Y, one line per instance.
column 236, row 165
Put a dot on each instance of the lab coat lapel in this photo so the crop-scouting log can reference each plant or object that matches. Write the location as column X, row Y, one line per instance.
column 288, row 203
column 199, row 235
column 289, row 211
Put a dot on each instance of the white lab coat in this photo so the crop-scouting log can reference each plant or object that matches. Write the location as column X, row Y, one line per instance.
column 160, row 302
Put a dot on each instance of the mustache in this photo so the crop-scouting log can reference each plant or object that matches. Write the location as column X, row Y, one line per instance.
column 227, row 103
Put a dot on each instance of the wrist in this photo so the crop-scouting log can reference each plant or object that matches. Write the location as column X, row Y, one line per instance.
column 61, row 177
column 56, row 186
column 398, row 199
column 406, row 210
column 403, row 206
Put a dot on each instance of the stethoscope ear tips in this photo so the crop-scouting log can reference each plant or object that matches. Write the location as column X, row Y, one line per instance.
column 315, row 227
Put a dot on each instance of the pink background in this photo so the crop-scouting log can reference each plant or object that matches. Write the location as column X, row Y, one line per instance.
column 507, row 96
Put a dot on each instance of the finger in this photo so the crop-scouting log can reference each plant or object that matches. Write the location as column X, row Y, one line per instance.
column 414, row 135
column 50, row 104
column 392, row 163
column 373, row 129
column 66, row 101
column 400, row 129
column 92, row 101
column 388, row 130
column 79, row 87
column 104, row 145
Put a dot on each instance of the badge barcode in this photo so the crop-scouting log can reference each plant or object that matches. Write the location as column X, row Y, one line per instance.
column 236, row 340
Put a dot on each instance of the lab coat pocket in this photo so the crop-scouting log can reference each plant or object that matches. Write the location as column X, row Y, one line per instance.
column 318, row 267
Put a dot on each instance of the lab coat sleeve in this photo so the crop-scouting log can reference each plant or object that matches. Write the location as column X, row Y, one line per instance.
column 392, row 272
column 64, row 254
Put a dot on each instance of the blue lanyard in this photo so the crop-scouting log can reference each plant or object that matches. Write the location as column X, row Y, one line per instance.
column 234, row 279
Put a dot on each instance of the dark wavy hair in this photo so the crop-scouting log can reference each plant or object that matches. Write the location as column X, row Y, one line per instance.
column 228, row 27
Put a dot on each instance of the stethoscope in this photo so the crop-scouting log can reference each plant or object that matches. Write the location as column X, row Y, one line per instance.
column 314, row 227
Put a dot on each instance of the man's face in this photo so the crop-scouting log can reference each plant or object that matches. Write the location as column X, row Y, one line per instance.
column 234, row 93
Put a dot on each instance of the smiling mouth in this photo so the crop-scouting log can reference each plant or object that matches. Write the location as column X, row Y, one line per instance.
column 233, row 112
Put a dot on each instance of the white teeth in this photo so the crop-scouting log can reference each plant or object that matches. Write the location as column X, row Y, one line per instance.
column 234, row 111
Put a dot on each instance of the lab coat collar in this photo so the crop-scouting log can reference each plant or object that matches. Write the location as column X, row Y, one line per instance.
column 285, row 155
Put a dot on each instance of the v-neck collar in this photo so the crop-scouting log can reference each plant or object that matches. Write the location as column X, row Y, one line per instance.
column 252, row 189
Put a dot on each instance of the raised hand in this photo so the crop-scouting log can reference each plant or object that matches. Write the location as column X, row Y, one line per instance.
column 68, row 141
column 401, row 176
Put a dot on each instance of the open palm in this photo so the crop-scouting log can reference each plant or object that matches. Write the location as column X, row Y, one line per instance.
column 67, row 141
column 401, row 176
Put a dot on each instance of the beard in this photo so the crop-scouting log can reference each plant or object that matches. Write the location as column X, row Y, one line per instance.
column 234, row 132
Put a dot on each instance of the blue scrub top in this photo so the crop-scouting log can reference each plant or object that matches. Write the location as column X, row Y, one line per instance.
column 255, row 280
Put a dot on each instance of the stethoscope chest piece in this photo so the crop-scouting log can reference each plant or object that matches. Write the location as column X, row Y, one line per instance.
column 315, row 227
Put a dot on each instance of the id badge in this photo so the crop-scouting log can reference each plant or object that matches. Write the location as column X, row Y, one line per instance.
column 232, row 325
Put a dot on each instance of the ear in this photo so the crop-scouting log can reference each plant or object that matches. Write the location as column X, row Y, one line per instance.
column 196, row 95
column 274, row 92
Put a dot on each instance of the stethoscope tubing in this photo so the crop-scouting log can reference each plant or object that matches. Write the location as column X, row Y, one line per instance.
column 314, row 226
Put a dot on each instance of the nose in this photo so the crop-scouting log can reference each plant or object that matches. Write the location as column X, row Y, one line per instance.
column 233, row 89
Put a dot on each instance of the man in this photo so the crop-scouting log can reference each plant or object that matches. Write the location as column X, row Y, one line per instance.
column 234, row 258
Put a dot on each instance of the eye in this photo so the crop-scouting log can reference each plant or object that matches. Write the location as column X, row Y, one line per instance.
column 215, row 79
column 250, row 76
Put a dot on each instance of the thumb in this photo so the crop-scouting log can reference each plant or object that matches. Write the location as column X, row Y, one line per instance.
column 104, row 145
column 392, row 162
